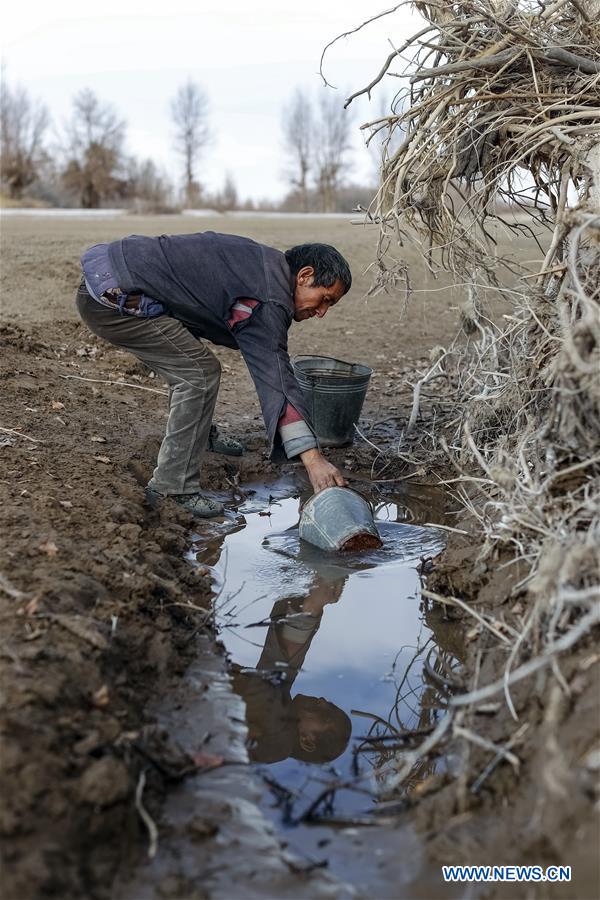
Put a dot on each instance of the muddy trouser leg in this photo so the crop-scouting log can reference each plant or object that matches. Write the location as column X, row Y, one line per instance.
column 192, row 373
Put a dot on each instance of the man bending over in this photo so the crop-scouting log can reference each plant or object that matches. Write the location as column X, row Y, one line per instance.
column 163, row 297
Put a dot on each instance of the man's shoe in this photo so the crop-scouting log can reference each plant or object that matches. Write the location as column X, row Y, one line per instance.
column 198, row 505
column 218, row 443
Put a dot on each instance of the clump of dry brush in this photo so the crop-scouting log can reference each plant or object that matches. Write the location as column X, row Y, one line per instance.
column 499, row 129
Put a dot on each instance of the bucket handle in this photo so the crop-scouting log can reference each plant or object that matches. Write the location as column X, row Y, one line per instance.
column 365, row 498
column 312, row 379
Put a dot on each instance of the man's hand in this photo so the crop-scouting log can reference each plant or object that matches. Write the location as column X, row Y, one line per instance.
column 321, row 473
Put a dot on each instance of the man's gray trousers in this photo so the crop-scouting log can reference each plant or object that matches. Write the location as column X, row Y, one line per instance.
column 192, row 373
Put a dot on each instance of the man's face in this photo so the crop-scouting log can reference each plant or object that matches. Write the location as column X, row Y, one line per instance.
column 312, row 723
column 312, row 301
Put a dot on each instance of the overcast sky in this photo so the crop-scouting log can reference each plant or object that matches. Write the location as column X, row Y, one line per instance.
column 248, row 55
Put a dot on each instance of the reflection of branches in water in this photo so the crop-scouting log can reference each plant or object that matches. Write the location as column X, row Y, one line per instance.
column 376, row 719
column 424, row 768
column 284, row 797
column 403, row 513
column 441, row 672
column 322, row 807
column 325, row 800
column 387, row 738
column 395, row 711
column 402, row 697
column 238, row 612
column 441, row 681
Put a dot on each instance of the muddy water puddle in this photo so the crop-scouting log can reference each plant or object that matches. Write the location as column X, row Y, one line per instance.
column 338, row 659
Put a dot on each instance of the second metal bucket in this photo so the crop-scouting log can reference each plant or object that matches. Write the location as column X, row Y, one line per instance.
column 335, row 392
column 339, row 519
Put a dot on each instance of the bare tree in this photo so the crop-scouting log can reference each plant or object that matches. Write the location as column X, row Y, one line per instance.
column 23, row 124
column 147, row 185
column 332, row 144
column 226, row 198
column 95, row 159
column 298, row 135
column 189, row 111
column 229, row 195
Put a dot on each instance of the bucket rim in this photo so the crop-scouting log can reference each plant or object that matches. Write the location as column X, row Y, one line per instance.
column 301, row 357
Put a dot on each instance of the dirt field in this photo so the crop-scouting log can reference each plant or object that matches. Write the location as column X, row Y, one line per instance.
column 94, row 583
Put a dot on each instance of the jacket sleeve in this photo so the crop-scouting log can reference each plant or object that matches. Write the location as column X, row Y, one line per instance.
column 295, row 434
column 262, row 340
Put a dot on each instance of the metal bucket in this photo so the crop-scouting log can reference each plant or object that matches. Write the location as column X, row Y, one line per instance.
column 339, row 519
column 335, row 392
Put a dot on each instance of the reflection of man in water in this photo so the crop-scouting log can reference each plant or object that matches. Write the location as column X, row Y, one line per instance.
column 310, row 729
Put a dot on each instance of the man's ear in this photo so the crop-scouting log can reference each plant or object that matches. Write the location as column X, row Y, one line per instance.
column 304, row 275
column 307, row 743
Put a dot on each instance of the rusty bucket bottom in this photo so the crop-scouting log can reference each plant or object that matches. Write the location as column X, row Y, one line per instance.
column 359, row 542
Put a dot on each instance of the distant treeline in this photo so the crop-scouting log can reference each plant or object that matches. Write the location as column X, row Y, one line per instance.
column 87, row 165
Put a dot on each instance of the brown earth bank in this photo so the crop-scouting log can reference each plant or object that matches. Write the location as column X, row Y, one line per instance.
column 544, row 810
column 97, row 601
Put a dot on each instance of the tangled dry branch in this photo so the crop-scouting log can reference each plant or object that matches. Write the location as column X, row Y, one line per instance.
column 498, row 127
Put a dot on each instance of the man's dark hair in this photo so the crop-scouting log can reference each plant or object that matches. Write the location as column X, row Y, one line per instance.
column 328, row 263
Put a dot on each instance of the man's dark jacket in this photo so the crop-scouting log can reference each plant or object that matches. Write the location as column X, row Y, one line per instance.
column 198, row 277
